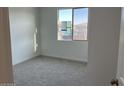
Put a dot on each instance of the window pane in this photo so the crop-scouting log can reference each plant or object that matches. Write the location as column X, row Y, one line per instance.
column 65, row 24
column 80, row 24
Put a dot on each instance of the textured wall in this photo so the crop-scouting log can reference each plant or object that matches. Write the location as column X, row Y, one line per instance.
column 50, row 46
column 23, row 23
column 103, row 42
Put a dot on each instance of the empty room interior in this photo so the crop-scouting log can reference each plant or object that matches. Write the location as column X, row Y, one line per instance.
column 66, row 46
column 44, row 54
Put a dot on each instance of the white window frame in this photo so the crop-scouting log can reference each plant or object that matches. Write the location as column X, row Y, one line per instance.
column 72, row 22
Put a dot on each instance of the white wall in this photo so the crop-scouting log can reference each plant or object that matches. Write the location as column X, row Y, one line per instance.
column 23, row 22
column 75, row 50
column 120, row 74
column 103, row 45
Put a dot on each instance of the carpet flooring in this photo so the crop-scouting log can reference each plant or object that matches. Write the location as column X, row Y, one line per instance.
column 48, row 71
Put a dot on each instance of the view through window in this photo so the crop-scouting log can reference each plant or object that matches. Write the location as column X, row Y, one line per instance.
column 72, row 24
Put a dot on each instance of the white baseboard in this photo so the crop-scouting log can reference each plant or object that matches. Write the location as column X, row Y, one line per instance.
column 84, row 61
column 25, row 59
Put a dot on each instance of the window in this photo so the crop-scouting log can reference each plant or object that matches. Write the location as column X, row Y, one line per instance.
column 65, row 24
column 72, row 24
column 80, row 24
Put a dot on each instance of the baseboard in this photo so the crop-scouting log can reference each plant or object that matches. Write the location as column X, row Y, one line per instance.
column 26, row 59
column 65, row 58
column 121, row 81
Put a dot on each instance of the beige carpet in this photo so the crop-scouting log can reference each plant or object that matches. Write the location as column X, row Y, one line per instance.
column 48, row 71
